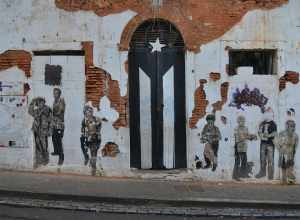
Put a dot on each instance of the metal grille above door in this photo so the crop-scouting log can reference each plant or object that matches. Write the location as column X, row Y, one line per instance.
column 157, row 97
column 150, row 30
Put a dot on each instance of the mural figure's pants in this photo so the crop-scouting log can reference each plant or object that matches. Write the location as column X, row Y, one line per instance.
column 240, row 165
column 266, row 160
column 211, row 153
column 84, row 148
column 287, row 168
column 41, row 149
column 57, row 143
column 93, row 146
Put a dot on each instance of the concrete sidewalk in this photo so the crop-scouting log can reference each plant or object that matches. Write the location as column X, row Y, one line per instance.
column 125, row 190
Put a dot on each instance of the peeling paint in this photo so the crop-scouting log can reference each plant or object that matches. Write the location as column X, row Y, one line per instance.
column 99, row 84
column 217, row 106
column 20, row 58
column 201, row 104
column 289, row 76
column 195, row 31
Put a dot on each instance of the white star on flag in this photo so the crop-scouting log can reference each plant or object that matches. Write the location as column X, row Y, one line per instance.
column 156, row 46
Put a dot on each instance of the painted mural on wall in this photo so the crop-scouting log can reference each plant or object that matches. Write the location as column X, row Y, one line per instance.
column 267, row 133
column 242, row 168
column 58, row 125
column 287, row 146
column 90, row 137
column 247, row 98
column 41, row 127
column 210, row 136
column 48, row 122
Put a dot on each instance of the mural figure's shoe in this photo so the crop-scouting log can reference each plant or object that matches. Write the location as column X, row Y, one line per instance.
column 214, row 167
column 86, row 160
column 260, row 175
column 206, row 166
column 237, row 179
column 61, row 159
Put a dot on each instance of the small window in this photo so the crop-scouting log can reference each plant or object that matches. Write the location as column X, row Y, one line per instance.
column 263, row 62
column 53, row 75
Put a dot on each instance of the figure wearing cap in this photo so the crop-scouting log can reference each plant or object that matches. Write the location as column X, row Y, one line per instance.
column 41, row 128
column 211, row 136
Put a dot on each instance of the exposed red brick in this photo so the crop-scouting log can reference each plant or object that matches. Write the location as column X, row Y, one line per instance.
column 88, row 52
column 110, row 150
column 20, row 58
column 200, row 103
column 289, row 76
column 199, row 21
column 217, row 106
column 99, row 84
column 215, row 76
column 126, row 66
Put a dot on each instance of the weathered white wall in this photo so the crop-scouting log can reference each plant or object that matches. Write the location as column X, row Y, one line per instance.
column 38, row 25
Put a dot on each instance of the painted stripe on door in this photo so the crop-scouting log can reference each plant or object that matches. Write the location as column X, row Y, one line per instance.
column 168, row 116
column 145, row 120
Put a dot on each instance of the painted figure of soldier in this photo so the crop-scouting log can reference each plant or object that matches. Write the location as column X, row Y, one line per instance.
column 287, row 145
column 58, row 125
column 41, row 128
column 210, row 136
column 90, row 136
column 241, row 135
column 267, row 132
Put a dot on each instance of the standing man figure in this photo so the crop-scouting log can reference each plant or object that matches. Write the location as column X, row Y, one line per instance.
column 241, row 135
column 287, row 144
column 267, row 132
column 41, row 128
column 90, row 137
column 210, row 136
column 58, row 124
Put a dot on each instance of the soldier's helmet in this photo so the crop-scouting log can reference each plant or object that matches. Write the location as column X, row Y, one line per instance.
column 210, row 117
column 87, row 108
column 40, row 99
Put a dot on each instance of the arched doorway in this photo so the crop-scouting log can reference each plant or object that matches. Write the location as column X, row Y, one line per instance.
column 157, row 97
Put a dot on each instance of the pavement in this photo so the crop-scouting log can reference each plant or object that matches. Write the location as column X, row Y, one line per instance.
column 132, row 195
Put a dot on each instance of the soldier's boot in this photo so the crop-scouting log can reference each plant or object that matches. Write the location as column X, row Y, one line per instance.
column 262, row 173
column 208, row 163
column 86, row 159
column 61, row 159
column 214, row 167
column 270, row 172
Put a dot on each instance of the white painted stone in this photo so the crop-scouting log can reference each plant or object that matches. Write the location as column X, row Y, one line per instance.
column 38, row 25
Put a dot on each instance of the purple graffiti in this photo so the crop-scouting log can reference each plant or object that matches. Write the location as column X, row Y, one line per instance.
column 248, row 97
column 4, row 86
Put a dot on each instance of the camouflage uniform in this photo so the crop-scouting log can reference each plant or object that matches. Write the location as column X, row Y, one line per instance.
column 211, row 136
column 41, row 128
column 287, row 143
column 91, row 135
column 58, row 128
